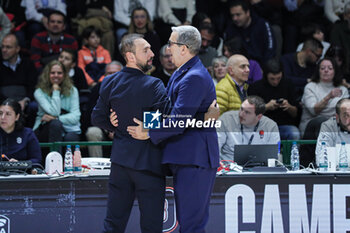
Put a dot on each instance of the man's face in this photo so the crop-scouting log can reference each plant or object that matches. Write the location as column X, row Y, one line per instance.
column 175, row 49
column 313, row 56
column 9, row 49
column 143, row 54
column 344, row 117
column 274, row 79
column 239, row 69
column 166, row 60
column 56, row 24
column 239, row 17
column 207, row 38
column 112, row 68
column 247, row 114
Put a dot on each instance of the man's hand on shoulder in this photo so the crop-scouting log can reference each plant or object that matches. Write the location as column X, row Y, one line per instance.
column 213, row 111
column 138, row 132
column 113, row 118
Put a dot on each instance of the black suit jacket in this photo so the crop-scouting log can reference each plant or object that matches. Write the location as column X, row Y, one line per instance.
column 129, row 93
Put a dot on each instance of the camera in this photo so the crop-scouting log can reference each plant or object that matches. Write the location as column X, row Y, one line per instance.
column 279, row 101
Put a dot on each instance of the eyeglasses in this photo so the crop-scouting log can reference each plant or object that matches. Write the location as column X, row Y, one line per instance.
column 170, row 43
column 318, row 56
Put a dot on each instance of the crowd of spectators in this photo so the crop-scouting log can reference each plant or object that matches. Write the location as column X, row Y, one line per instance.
column 293, row 54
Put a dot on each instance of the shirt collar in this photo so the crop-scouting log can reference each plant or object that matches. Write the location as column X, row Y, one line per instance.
column 14, row 66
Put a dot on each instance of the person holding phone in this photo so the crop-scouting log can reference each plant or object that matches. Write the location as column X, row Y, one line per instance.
column 279, row 94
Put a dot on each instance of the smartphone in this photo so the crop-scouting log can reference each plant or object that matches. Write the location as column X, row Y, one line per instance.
column 279, row 101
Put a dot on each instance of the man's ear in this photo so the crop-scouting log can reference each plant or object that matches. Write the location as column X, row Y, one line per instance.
column 130, row 57
column 259, row 116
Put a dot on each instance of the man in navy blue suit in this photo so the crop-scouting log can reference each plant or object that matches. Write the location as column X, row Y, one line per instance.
column 136, row 169
column 191, row 153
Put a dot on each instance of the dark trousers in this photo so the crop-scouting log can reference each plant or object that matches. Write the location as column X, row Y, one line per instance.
column 124, row 185
column 53, row 132
column 192, row 188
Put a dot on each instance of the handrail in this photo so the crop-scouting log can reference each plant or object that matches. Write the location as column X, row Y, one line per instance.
column 54, row 146
column 285, row 144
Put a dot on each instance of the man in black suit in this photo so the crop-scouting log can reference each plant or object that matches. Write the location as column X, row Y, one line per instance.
column 136, row 169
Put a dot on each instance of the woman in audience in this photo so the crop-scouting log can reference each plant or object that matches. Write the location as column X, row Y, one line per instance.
column 321, row 95
column 17, row 142
column 219, row 69
column 58, row 116
column 141, row 23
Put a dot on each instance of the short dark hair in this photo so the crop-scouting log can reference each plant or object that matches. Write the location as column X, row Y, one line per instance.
column 339, row 103
column 312, row 44
column 56, row 12
column 258, row 103
column 208, row 27
column 71, row 52
column 243, row 3
column 337, row 79
column 235, row 46
column 128, row 43
column 19, row 124
column 273, row 66
column 89, row 30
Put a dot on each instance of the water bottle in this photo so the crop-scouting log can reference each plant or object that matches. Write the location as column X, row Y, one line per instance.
column 323, row 165
column 343, row 158
column 68, row 161
column 294, row 157
column 77, row 160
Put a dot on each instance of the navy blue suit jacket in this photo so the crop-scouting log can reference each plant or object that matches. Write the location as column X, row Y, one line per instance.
column 129, row 93
column 191, row 91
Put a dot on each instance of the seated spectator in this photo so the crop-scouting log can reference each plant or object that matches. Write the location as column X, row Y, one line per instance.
column 92, row 58
column 174, row 13
column 235, row 46
column 17, row 142
column 58, row 116
column 333, row 9
column 300, row 66
column 340, row 35
column 231, row 91
column 123, row 10
column 219, row 70
column 47, row 45
column 141, row 23
column 37, row 13
column 336, row 129
column 16, row 15
column 321, row 95
column 207, row 52
column 244, row 127
column 255, row 32
column 315, row 31
column 68, row 58
column 167, row 67
column 97, row 13
column 279, row 94
column 18, row 78
column 5, row 24
column 201, row 18
column 94, row 133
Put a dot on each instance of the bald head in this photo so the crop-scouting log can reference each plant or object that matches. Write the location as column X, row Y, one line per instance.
column 238, row 68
